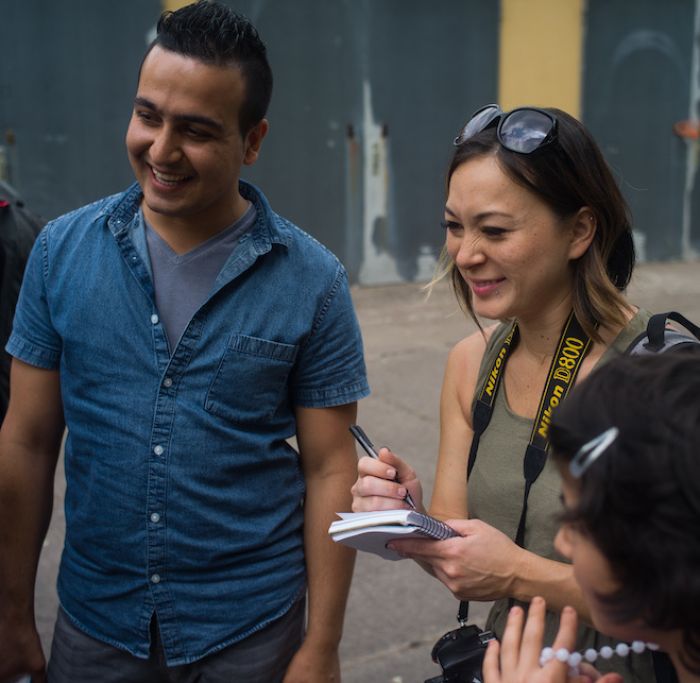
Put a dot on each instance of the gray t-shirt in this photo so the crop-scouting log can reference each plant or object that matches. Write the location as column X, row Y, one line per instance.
column 183, row 281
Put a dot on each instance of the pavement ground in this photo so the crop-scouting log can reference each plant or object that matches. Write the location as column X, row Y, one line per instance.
column 396, row 612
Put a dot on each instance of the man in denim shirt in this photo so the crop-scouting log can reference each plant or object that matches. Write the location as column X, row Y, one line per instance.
column 183, row 332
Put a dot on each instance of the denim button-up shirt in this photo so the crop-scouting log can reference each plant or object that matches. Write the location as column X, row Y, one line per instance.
column 183, row 495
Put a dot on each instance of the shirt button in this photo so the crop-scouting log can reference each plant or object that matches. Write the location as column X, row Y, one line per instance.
column 158, row 450
column 155, row 517
column 154, row 319
column 155, row 578
column 167, row 382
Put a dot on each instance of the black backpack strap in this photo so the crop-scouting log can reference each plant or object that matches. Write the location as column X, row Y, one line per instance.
column 658, row 338
column 657, row 329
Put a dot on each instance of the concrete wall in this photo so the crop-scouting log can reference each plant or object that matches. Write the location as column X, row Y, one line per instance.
column 368, row 96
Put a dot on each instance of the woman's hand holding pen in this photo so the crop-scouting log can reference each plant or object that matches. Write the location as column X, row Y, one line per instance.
column 382, row 484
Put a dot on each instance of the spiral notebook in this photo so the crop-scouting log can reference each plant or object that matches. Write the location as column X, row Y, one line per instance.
column 371, row 531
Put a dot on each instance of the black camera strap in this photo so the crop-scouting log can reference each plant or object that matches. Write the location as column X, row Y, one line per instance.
column 483, row 406
column 572, row 348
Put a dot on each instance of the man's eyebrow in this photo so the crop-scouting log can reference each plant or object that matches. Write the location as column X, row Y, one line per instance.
column 187, row 118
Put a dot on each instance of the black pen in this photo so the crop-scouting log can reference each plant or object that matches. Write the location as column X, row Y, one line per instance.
column 364, row 441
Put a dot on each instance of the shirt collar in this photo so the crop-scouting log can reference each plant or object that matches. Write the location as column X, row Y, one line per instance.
column 269, row 228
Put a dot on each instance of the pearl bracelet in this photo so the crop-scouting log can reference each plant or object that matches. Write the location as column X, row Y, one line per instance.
column 590, row 655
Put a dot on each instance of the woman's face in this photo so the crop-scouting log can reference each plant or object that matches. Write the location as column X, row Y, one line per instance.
column 507, row 244
column 593, row 572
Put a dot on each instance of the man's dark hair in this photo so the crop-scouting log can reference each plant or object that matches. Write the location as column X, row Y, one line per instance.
column 214, row 34
column 640, row 500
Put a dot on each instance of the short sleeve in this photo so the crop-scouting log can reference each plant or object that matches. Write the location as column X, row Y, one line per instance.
column 331, row 368
column 34, row 339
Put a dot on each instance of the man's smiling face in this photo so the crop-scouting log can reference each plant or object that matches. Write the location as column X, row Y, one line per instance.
column 184, row 141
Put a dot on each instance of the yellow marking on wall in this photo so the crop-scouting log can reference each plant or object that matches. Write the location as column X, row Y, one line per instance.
column 541, row 46
column 174, row 4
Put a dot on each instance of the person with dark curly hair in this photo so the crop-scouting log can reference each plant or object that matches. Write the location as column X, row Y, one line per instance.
column 627, row 445
column 204, row 354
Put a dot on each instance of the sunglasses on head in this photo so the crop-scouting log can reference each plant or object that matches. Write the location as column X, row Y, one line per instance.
column 522, row 130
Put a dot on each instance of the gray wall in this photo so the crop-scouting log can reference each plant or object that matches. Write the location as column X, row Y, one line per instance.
column 368, row 96
column 427, row 65
column 67, row 77
column 68, row 72
column 636, row 87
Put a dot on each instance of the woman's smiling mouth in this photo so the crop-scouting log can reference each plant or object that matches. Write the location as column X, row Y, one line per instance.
column 485, row 287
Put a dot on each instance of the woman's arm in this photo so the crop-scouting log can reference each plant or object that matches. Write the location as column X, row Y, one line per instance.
column 449, row 499
column 484, row 564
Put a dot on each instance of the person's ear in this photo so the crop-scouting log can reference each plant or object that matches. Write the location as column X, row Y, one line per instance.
column 583, row 229
column 253, row 141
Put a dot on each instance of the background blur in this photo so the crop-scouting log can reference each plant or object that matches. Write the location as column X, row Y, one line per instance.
column 368, row 96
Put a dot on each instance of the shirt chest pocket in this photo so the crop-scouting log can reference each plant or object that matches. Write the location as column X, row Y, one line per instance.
column 251, row 380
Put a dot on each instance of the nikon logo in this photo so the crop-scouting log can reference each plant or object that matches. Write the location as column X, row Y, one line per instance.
column 568, row 358
column 493, row 377
column 546, row 418
column 491, row 384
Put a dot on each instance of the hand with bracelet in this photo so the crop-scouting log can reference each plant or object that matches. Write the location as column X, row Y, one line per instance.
column 519, row 657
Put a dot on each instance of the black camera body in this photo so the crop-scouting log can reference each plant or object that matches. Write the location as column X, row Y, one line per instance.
column 460, row 654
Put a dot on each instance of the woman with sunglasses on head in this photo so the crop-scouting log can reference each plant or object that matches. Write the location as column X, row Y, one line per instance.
column 627, row 446
column 537, row 236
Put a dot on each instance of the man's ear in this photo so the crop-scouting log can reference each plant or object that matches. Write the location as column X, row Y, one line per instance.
column 583, row 229
column 253, row 141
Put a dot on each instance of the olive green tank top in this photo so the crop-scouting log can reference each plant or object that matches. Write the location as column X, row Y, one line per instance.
column 495, row 495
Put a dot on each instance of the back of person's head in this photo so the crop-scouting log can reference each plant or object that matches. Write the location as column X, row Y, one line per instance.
column 566, row 175
column 639, row 500
column 214, row 34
